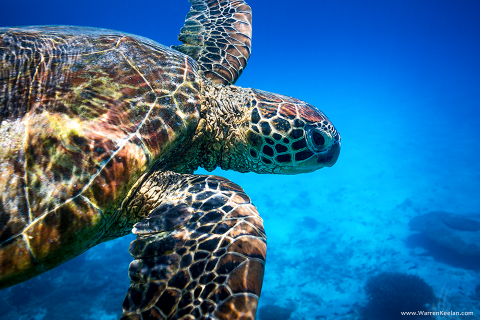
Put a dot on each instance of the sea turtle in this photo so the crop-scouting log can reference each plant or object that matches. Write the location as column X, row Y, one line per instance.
column 100, row 134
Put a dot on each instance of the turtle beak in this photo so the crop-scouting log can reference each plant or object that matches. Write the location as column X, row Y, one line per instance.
column 320, row 160
column 329, row 157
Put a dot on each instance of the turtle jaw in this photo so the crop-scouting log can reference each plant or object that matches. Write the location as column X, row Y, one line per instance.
column 329, row 157
column 320, row 160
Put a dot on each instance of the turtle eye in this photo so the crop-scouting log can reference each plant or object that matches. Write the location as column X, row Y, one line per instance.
column 318, row 140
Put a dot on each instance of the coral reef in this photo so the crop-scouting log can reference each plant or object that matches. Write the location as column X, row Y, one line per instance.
column 459, row 233
column 390, row 294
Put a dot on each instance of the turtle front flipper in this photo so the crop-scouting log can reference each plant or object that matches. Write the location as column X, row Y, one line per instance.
column 217, row 34
column 200, row 254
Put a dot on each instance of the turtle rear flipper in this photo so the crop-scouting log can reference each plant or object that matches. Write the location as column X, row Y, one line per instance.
column 217, row 34
column 199, row 254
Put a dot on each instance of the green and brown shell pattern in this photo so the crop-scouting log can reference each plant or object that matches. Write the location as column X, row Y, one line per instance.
column 84, row 112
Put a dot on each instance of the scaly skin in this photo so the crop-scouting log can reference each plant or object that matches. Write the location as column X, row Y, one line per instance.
column 202, row 237
column 247, row 130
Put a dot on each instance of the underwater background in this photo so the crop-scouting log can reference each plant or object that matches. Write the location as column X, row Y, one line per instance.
column 400, row 80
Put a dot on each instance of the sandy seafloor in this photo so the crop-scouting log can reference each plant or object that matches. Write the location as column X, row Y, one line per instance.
column 408, row 112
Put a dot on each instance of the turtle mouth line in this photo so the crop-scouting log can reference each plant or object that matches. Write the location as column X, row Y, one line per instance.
column 329, row 157
column 322, row 159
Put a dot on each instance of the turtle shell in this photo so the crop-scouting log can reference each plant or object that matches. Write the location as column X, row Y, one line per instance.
column 84, row 112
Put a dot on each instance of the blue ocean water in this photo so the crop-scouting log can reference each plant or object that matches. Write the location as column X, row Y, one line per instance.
column 401, row 82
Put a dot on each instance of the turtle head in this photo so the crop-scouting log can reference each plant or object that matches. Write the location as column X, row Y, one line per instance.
column 289, row 136
column 254, row 130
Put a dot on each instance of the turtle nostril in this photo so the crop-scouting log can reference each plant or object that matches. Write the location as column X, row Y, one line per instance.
column 318, row 139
